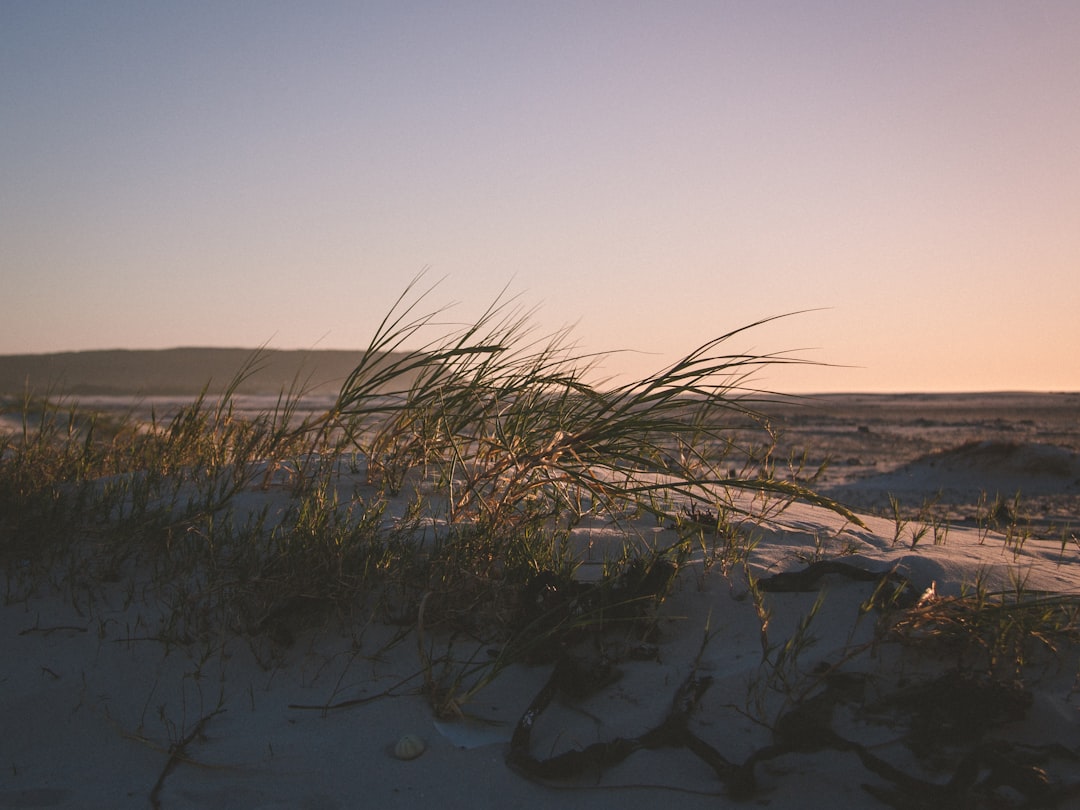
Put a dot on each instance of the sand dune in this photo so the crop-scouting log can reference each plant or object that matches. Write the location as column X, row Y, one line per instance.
column 97, row 714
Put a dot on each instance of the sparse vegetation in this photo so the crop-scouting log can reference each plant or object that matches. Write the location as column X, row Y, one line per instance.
column 499, row 435
column 442, row 494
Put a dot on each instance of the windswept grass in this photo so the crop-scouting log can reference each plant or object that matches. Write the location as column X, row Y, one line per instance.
column 501, row 442
column 514, row 428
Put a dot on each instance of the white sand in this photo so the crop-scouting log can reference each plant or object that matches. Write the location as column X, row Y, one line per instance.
column 90, row 708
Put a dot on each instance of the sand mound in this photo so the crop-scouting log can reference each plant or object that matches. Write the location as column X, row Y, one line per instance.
column 1051, row 466
column 963, row 473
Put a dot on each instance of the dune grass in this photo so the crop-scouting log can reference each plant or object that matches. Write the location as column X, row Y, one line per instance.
column 508, row 420
column 503, row 435
column 446, row 478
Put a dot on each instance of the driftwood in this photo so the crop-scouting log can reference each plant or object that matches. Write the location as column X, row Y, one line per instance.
column 806, row 728
column 903, row 593
column 956, row 709
column 673, row 732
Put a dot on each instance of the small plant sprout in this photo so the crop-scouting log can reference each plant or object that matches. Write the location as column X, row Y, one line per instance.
column 899, row 521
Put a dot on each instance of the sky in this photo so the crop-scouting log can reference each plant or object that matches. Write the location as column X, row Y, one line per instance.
column 651, row 174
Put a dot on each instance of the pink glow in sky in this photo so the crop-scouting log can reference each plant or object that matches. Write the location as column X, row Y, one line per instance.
column 176, row 174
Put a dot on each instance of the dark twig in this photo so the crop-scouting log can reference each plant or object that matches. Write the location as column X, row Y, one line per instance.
column 177, row 752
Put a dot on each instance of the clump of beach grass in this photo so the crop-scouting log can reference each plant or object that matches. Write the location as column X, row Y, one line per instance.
column 998, row 632
column 521, row 444
column 507, row 420
column 500, row 438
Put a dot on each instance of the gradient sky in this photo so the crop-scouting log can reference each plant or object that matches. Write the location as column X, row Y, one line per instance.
column 216, row 173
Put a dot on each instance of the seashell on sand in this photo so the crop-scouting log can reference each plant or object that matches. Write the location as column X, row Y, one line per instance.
column 410, row 746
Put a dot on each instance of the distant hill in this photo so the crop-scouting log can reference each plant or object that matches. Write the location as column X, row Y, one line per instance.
column 173, row 372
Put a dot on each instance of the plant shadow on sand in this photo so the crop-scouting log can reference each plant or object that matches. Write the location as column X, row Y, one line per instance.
column 621, row 591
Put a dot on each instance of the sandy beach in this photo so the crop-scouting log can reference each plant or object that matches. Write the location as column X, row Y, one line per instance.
column 449, row 406
column 844, row 682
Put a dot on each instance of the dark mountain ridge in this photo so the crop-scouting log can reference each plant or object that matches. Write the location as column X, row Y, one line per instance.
column 175, row 372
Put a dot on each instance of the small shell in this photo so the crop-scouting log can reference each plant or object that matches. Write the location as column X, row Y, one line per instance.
column 409, row 747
